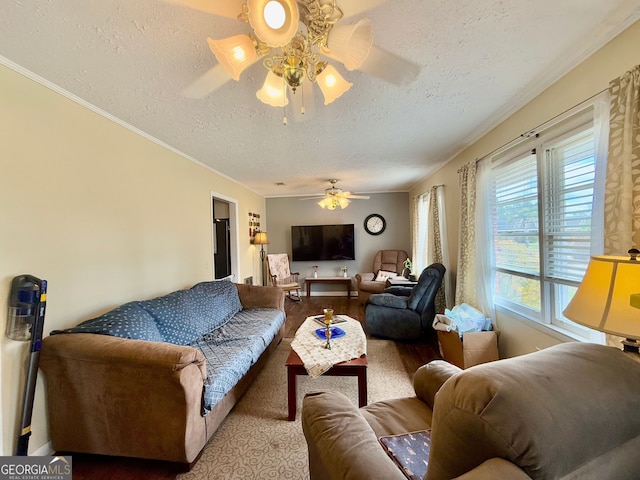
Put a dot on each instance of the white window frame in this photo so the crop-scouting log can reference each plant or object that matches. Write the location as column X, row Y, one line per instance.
column 546, row 318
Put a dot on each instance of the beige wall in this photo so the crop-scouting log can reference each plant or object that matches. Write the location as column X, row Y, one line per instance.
column 587, row 79
column 105, row 215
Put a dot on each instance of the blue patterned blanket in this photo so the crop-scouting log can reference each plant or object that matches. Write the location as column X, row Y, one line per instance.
column 233, row 349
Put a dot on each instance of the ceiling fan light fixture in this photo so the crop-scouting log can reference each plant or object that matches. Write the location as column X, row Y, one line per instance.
column 350, row 44
column 273, row 92
column 235, row 53
column 343, row 202
column 275, row 22
column 332, row 84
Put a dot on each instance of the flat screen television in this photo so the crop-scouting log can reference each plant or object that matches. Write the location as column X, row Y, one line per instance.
column 322, row 242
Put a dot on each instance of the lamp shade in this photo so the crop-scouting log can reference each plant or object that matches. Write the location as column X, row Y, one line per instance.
column 261, row 238
column 604, row 300
column 350, row 44
column 275, row 22
column 273, row 91
column 332, row 84
column 235, row 53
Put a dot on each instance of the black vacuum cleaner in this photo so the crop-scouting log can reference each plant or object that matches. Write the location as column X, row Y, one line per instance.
column 27, row 304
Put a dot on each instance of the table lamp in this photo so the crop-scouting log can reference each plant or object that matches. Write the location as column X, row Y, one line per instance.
column 608, row 299
column 261, row 239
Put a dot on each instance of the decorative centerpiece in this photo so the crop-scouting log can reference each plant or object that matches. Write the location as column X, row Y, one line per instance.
column 344, row 271
column 315, row 271
column 328, row 316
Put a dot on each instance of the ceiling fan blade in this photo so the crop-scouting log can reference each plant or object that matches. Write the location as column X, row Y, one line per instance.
column 319, row 197
column 213, row 79
column 223, row 8
column 390, row 67
column 354, row 7
column 358, row 197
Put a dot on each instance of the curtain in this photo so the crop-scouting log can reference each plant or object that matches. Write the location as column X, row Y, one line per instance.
column 441, row 247
column 622, row 184
column 485, row 273
column 431, row 244
column 420, row 249
column 466, row 286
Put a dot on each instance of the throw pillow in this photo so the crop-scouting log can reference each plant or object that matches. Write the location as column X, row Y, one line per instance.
column 384, row 275
column 410, row 452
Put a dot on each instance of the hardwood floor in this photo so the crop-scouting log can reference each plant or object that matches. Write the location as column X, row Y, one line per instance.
column 97, row 467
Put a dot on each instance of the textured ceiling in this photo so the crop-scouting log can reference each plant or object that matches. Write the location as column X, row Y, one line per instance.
column 480, row 60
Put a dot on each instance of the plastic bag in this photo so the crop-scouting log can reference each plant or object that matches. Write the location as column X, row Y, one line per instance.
column 465, row 318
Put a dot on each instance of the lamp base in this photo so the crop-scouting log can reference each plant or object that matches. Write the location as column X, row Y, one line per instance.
column 630, row 345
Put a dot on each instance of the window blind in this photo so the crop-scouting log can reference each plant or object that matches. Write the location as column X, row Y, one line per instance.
column 516, row 210
column 570, row 171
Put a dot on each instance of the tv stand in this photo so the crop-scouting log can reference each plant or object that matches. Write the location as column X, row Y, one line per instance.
column 344, row 280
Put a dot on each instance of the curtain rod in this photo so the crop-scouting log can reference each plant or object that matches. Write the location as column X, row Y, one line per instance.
column 534, row 131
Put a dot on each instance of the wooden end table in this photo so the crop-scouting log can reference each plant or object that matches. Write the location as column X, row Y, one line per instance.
column 344, row 280
column 352, row 368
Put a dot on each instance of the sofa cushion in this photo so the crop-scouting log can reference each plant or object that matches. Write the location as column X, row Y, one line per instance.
column 186, row 315
column 173, row 317
column 215, row 303
column 127, row 321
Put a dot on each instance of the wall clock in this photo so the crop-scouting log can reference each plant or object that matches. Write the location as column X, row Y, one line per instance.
column 375, row 224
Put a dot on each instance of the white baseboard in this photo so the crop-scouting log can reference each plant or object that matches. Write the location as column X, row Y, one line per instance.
column 44, row 451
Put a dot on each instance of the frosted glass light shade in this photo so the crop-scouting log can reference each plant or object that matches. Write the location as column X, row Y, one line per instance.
column 274, row 37
column 604, row 298
column 235, row 53
column 343, row 202
column 350, row 44
column 332, row 84
column 333, row 202
column 273, row 91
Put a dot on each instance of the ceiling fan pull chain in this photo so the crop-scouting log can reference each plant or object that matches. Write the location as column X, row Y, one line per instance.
column 284, row 104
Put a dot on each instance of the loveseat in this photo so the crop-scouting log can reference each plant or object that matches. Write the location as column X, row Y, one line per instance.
column 567, row 412
column 154, row 379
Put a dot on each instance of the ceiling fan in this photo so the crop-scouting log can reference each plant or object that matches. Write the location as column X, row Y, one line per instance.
column 334, row 197
column 297, row 40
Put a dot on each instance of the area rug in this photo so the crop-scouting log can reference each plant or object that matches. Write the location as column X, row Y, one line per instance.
column 257, row 442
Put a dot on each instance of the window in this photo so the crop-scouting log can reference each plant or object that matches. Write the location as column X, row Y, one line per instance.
column 542, row 210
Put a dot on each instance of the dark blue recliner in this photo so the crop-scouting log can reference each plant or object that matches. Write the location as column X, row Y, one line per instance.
column 403, row 314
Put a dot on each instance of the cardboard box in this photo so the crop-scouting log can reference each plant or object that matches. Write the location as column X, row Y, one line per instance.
column 472, row 349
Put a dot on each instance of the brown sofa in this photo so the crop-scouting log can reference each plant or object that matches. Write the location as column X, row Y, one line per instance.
column 388, row 260
column 566, row 412
column 137, row 398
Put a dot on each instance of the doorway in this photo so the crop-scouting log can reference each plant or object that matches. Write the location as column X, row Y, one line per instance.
column 221, row 251
column 224, row 237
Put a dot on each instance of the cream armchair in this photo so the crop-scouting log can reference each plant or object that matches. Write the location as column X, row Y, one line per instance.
column 385, row 260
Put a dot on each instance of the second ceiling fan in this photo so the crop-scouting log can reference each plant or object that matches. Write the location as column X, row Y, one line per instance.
column 334, row 197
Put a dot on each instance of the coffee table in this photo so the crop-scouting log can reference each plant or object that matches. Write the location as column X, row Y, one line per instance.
column 347, row 357
column 352, row 368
